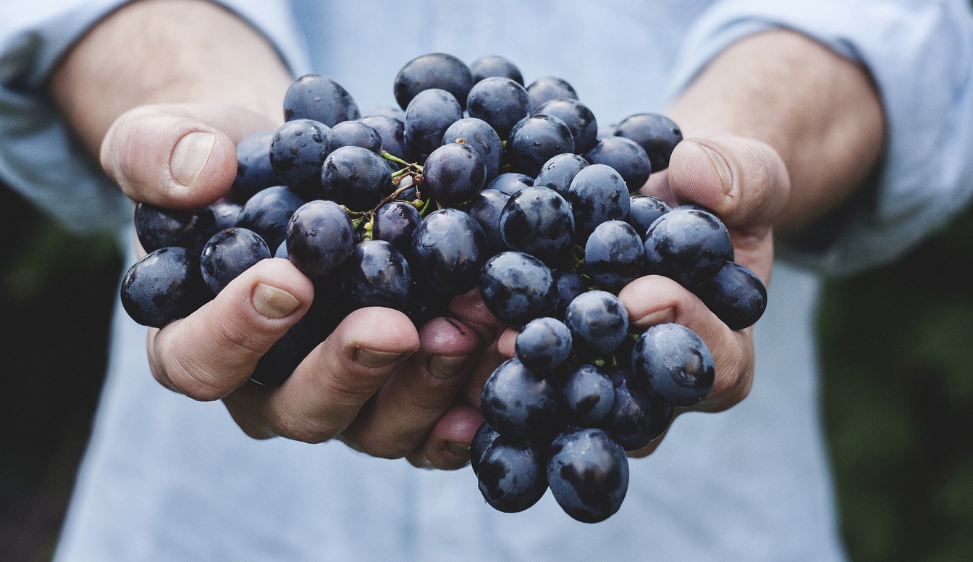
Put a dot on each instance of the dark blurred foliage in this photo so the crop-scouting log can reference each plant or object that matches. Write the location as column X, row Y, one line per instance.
column 56, row 296
column 897, row 350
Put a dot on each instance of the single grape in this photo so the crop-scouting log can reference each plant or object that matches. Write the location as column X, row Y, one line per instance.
column 355, row 177
column 579, row 119
column 376, row 274
column 598, row 322
column 643, row 211
column 635, row 418
column 353, row 133
column 588, row 474
column 672, row 362
column 558, row 172
column 229, row 253
column 512, row 474
column 587, row 395
column 625, row 156
column 392, row 133
column 297, row 153
column 735, row 295
column 482, row 439
column 656, row 134
column 432, row 71
column 157, row 227
column 454, row 173
column 614, row 255
column 268, row 212
column 427, row 117
column 597, row 194
column 320, row 238
column 395, row 222
column 687, row 245
column 510, row 182
column 519, row 403
column 535, row 140
column 253, row 170
column 319, row 98
column 448, row 250
column 226, row 214
column 481, row 137
column 568, row 285
column 501, row 102
column 547, row 88
column 493, row 65
column 486, row 207
column 538, row 221
column 163, row 286
column 517, row 288
column 543, row 344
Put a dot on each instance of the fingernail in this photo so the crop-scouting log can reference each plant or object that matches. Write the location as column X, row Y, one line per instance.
column 458, row 449
column 722, row 168
column 658, row 317
column 447, row 366
column 190, row 156
column 273, row 302
column 372, row 358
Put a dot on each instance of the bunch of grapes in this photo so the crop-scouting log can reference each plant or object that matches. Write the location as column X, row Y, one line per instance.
column 476, row 182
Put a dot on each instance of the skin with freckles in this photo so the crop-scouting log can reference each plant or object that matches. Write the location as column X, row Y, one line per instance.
column 779, row 131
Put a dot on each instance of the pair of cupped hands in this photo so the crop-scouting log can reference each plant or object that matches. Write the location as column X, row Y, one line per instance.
column 378, row 384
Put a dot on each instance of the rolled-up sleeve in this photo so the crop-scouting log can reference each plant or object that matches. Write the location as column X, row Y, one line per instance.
column 39, row 157
column 920, row 55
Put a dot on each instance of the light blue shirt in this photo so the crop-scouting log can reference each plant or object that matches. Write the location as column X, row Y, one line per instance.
column 166, row 478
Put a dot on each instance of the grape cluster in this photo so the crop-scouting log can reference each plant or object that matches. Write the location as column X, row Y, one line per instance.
column 475, row 181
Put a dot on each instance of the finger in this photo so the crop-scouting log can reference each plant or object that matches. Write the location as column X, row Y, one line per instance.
column 655, row 300
column 448, row 444
column 213, row 351
column 330, row 386
column 743, row 180
column 177, row 156
column 417, row 394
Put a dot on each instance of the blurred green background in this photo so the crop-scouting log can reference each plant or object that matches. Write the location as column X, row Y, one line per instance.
column 897, row 390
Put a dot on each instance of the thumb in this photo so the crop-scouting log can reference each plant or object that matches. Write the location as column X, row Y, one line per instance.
column 177, row 156
column 744, row 181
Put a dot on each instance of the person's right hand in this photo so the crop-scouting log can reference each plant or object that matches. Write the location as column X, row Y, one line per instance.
column 376, row 383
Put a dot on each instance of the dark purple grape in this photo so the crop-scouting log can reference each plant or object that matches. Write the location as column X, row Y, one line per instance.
column 432, row 71
column 626, row 157
column 519, row 403
column 588, row 474
column 538, row 221
column 672, row 362
column 157, row 227
column 376, row 274
column 598, row 322
column 483, row 438
column 448, row 250
column 587, row 395
column 568, row 285
column 535, row 140
column 268, row 212
column 510, row 182
column 735, row 295
column 319, row 98
column 547, row 88
column 517, row 288
column 297, row 153
column 656, row 134
column 226, row 214
column 392, row 133
column 229, row 253
column 558, row 172
column 501, row 102
column 493, row 65
column 614, row 255
column 163, row 286
column 454, row 173
column 579, row 119
column 485, row 208
column 427, row 117
column 353, row 133
column 253, row 170
column 512, row 474
column 687, row 245
column 643, row 211
column 356, row 178
column 320, row 238
column 482, row 138
column 395, row 222
column 635, row 418
column 597, row 194
column 543, row 344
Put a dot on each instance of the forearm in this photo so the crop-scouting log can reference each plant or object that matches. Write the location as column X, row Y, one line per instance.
column 819, row 111
column 166, row 51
